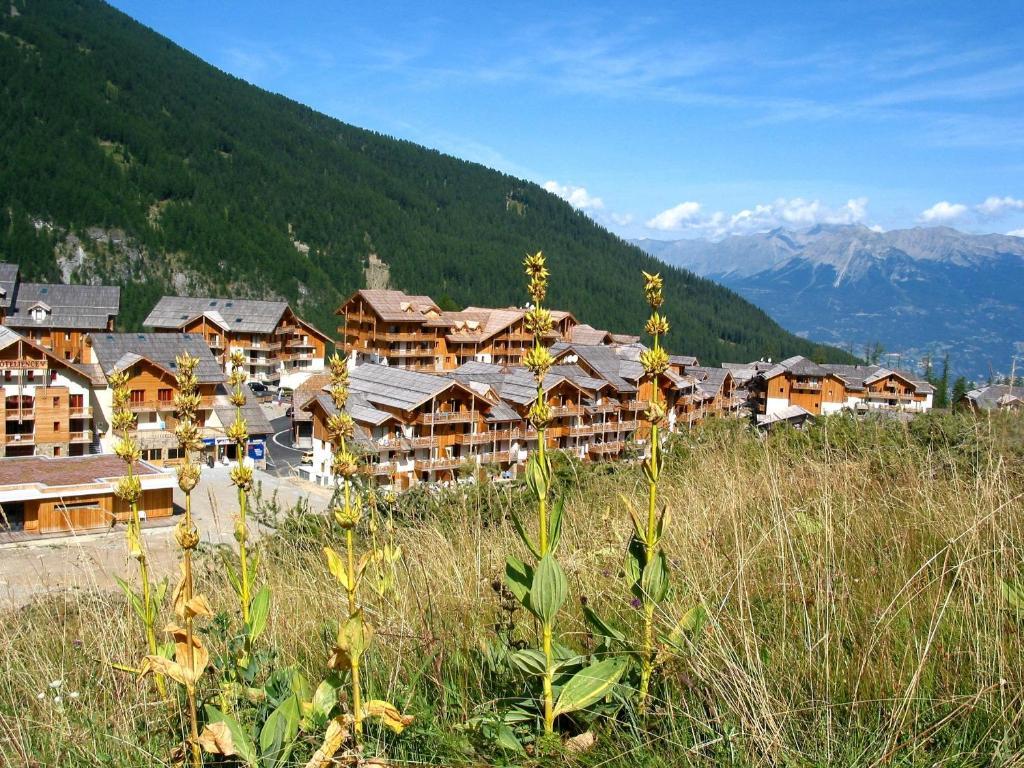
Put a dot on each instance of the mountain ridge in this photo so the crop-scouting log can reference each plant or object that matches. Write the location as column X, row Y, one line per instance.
column 922, row 291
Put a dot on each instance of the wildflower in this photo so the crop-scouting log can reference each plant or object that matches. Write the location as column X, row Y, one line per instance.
column 539, row 361
column 654, row 361
column 657, row 325
column 347, row 516
column 237, row 432
column 538, row 321
column 241, row 476
column 56, row 684
column 539, row 414
column 344, row 464
column 40, row 696
column 128, row 450
column 340, row 425
column 186, row 535
column 188, row 476
column 653, row 285
column 73, row 695
column 128, row 489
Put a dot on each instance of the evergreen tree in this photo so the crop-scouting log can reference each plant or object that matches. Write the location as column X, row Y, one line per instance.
column 959, row 390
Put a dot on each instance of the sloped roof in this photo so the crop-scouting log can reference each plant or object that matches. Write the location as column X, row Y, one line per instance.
column 797, row 365
column 789, row 413
column 396, row 306
column 588, row 334
column 305, row 392
column 49, row 471
column 684, row 360
column 256, row 422
column 513, row 383
column 8, row 281
column 475, row 324
column 78, row 307
column 995, row 396
column 397, row 387
column 241, row 315
column 601, row 359
column 9, row 336
column 709, row 379
column 159, row 348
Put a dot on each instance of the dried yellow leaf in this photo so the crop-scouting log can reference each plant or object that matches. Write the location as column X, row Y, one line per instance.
column 216, row 739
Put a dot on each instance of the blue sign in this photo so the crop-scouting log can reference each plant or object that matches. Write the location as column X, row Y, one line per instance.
column 257, row 451
column 209, row 441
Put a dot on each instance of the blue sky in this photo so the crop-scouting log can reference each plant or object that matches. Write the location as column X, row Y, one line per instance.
column 668, row 120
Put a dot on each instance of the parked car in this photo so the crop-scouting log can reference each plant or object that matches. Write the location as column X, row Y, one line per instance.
column 258, row 388
column 307, row 457
column 290, row 411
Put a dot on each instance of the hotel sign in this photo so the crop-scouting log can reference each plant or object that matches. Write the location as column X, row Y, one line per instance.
column 22, row 365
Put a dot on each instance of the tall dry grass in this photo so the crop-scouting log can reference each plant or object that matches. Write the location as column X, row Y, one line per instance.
column 851, row 576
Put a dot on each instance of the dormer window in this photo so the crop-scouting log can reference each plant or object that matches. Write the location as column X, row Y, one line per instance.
column 39, row 311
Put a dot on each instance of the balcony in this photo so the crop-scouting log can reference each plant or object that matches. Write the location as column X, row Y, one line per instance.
column 446, row 417
column 24, row 412
column 806, row 386
column 215, row 342
column 887, row 396
column 620, row 426
column 423, row 441
column 81, row 437
column 401, row 336
column 428, row 465
column 496, row 457
column 80, row 412
column 585, row 429
column 604, row 408
column 478, row 438
column 636, row 405
column 258, row 345
column 383, row 468
column 21, row 438
column 428, row 352
column 607, row 448
column 565, row 410
column 142, row 406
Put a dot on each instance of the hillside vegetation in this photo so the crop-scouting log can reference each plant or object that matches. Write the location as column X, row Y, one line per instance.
column 125, row 158
column 852, row 578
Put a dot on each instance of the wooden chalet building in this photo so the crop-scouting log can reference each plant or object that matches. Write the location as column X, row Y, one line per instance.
column 48, row 403
column 150, row 359
column 995, row 397
column 830, row 388
column 43, row 494
column 280, row 348
column 412, row 332
column 55, row 316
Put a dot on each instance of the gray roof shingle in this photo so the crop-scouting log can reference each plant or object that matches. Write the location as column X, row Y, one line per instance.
column 80, row 307
column 159, row 348
column 241, row 315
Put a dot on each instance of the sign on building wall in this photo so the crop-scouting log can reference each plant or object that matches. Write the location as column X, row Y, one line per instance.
column 22, row 365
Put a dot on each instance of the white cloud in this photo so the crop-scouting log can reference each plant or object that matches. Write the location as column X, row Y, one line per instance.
column 577, row 197
column 622, row 219
column 677, row 217
column 997, row 206
column 1016, row 233
column 943, row 211
column 795, row 213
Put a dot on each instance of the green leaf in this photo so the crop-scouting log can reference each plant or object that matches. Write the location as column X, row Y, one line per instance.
column 555, row 525
column 134, row 599
column 589, row 685
column 633, row 566
column 325, row 697
column 161, row 590
column 518, row 524
column 663, row 521
column 530, row 660
column 239, row 736
column 259, row 611
column 337, row 567
column 548, row 590
column 505, row 738
column 518, row 579
column 689, row 624
column 536, row 477
column 232, row 574
column 300, row 686
column 254, row 564
column 277, row 737
column 634, row 515
column 1013, row 595
column 601, row 627
column 654, row 580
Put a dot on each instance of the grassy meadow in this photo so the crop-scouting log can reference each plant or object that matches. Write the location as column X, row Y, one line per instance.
column 851, row 578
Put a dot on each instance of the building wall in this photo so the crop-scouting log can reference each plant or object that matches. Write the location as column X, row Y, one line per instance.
column 98, row 510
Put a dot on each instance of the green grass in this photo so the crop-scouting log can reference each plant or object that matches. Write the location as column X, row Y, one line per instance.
column 851, row 574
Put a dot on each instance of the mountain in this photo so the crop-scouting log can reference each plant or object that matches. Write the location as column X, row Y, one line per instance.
column 125, row 158
column 918, row 291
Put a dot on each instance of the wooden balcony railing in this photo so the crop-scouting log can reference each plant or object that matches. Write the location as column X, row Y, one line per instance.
column 495, row 457
column 423, row 441
column 605, row 448
column 382, row 468
column 565, row 410
column 491, row 436
column 605, row 408
column 21, row 438
column 446, row 417
column 81, row 437
column 81, row 412
column 426, row 465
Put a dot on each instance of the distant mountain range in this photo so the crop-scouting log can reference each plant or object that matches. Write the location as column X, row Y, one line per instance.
column 917, row 291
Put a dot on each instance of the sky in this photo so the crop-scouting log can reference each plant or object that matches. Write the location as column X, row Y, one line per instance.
column 667, row 120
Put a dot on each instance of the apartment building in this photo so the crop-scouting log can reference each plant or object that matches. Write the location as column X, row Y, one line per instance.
column 412, row 332
column 830, row 388
column 56, row 316
column 48, row 405
column 150, row 359
column 280, row 348
column 995, row 397
column 44, row 494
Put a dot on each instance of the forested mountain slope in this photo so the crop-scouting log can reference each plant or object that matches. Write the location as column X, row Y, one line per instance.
column 125, row 158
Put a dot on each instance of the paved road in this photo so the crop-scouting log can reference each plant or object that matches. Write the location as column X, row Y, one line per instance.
column 281, row 457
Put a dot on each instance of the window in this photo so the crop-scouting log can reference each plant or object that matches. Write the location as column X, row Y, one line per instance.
column 7, row 374
column 31, row 376
column 151, row 454
column 53, row 373
column 56, row 450
column 77, row 401
column 164, row 395
column 56, row 426
column 56, row 402
column 137, row 396
column 175, row 453
column 67, row 336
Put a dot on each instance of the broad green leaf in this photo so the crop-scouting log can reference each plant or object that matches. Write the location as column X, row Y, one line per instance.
column 589, row 685
column 536, row 477
column 633, row 566
column 300, row 686
column 505, row 738
column 277, row 737
column 232, row 574
column 243, row 745
column 325, row 697
column 518, row 524
column 254, row 563
column 518, row 579
column 1013, row 595
column 549, row 589
column 259, row 611
column 654, row 580
column 337, row 567
column 601, row 627
column 555, row 524
column 530, row 660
